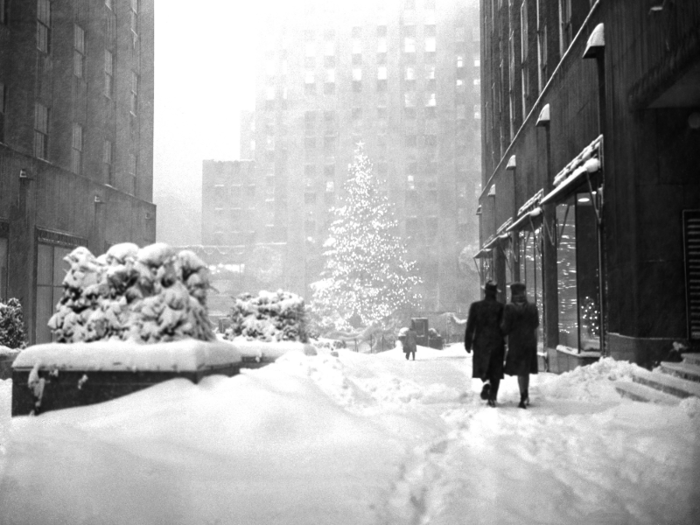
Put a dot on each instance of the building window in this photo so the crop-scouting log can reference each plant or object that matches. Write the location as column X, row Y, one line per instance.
column 357, row 79
column 109, row 74
column 381, row 45
column 356, row 59
column 409, row 44
column 3, row 106
column 3, row 18
column 78, row 51
column 107, row 171
column 43, row 26
column 565, row 27
column 133, row 172
column 430, row 100
column 134, row 21
column 3, row 269
column 356, row 46
column 134, row 93
column 430, row 44
column 41, row 131
column 76, row 160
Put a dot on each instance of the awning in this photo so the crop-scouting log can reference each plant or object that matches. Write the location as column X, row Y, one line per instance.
column 576, row 172
column 526, row 219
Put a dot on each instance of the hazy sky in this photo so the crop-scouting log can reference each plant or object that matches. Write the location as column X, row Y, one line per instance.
column 203, row 78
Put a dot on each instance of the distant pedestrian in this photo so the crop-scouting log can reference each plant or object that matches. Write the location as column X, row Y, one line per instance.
column 484, row 336
column 520, row 322
column 408, row 337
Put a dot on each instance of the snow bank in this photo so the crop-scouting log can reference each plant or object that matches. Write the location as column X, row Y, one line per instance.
column 357, row 439
column 593, row 382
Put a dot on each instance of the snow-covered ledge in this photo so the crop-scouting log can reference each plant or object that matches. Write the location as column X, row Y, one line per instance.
column 265, row 352
column 188, row 355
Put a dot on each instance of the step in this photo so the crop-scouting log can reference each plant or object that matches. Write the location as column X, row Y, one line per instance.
column 692, row 358
column 682, row 370
column 639, row 392
column 667, row 383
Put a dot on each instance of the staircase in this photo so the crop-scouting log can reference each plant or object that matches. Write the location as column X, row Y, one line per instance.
column 667, row 384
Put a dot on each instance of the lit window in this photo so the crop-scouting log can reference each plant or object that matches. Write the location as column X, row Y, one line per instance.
column 43, row 26
column 410, row 73
column 78, row 51
column 460, row 61
column 381, row 73
column 410, row 182
column 430, row 102
column 381, row 45
column 330, row 75
column 429, row 72
column 409, row 44
column 77, row 149
column 41, row 131
column 310, row 49
column 356, row 46
column 357, row 73
column 309, row 77
column 430, row 44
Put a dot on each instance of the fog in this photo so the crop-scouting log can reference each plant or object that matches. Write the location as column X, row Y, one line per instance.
column 203, row 79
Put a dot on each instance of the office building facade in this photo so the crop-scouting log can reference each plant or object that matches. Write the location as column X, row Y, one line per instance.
column 591, row 193
column 76, row 140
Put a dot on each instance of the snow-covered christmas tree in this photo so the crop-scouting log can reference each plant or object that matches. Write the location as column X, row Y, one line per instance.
column 366, row 271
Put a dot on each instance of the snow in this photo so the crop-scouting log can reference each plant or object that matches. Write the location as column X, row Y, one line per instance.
column 184, row 355
column 5, row 351
column 357, row 439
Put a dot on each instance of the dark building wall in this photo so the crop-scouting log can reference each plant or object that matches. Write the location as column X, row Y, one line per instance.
column 55, row 201
column 650, row 159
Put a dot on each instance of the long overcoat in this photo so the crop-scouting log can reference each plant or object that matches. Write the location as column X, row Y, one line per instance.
column 484, row 336
column 520, row 322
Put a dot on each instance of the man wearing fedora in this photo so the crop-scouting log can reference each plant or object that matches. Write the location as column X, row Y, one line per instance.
column 520, row 322
column 485, row 337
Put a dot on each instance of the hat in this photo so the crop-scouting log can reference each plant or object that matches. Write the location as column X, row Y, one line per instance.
column 517, row 288
column 490, row 286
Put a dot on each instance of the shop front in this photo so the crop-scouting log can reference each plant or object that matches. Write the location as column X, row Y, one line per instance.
column 576, row 235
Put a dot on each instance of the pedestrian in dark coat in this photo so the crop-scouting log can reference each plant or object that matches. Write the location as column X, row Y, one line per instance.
column 484, row 336
column 520, row 322
column 408, row 338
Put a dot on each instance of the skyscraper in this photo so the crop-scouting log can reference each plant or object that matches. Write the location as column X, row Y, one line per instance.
column 400, row 77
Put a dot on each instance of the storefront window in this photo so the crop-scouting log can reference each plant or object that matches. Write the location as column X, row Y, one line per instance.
column 577, row 273
column 566, row 273
column 51, row 269
column 587, row 264
column 531, row 264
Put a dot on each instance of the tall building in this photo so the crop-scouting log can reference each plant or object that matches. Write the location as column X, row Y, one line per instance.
column 76, row 140
column 399, row 76
column 591, row 193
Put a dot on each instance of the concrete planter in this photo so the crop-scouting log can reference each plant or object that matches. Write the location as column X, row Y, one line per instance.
column 54, row 376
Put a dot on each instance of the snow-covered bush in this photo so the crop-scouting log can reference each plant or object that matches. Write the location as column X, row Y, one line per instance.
column 269, row 316
column 147, row 295
column 12, row 334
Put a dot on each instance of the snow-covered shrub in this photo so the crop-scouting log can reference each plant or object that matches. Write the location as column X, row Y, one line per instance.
column 269, row 316
column 12, row 334
column 147, row 295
